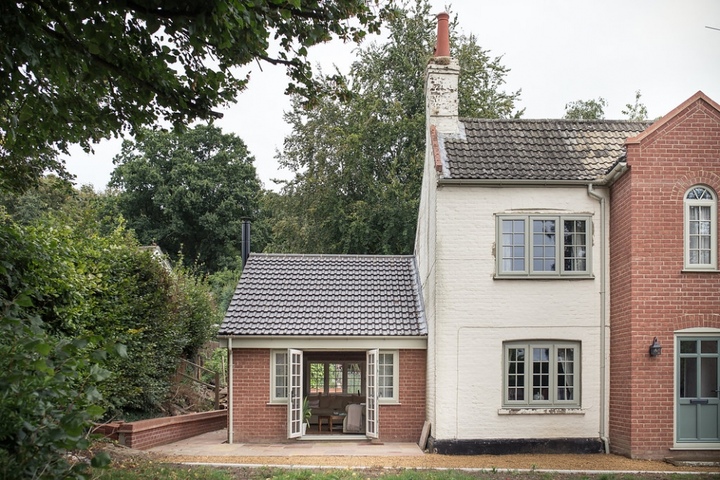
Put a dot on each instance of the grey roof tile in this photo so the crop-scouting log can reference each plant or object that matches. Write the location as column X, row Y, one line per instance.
column 582, row 150
column 334, row 295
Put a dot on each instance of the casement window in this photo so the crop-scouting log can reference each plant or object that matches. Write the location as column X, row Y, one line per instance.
column 388, row 377
column 328, row 377
column 700, row 228
column 279, row 378
column 543, row 246
column 336, row 377
column 542, row 374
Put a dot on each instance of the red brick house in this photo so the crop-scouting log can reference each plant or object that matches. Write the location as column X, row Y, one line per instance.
column 341, row 331
column 665, row 284
column 564, row 296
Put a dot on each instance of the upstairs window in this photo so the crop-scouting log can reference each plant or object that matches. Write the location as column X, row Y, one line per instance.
column 700, row 228
column 543, row 246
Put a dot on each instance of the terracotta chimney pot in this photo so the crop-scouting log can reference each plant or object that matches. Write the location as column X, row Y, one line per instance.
column 442, row 48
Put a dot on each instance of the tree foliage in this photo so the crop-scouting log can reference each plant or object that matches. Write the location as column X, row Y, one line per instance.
column 595, row 109
column 76, row 71
column 636, row 112
column 92, row 325
column 358, row 163
column 49, row 384
column 586, row 109
column 223, row 284
column 188, row 193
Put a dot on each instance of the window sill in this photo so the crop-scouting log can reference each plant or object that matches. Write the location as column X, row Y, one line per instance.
column 699, row 270
column 543, row 277
column 542, row 411
column 279, row 402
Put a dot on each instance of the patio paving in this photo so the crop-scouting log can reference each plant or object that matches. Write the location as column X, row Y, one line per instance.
column 214, row 444
column 325, row 451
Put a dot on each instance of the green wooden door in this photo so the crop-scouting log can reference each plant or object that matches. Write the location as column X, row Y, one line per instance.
column 698, row 407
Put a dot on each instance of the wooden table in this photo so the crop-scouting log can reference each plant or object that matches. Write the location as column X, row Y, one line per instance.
column 330, row 419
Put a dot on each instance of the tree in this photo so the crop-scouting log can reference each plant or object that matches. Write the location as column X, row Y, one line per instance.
column 77, row 71
column 188, row 193
column 586, row 109
column 358, row 163
column 50, row 193
column 636, row 112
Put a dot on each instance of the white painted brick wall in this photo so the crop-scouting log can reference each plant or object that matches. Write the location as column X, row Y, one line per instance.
column 475, row 314
column 425, row 253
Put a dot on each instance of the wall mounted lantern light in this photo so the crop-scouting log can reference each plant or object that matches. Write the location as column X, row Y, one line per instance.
column 655, row 348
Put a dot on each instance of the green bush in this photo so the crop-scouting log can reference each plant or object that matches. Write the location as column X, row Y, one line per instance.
column 73, row 289
column 48, row 385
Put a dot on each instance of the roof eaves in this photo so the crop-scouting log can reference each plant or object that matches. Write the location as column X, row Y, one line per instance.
column 328, row 255
column 517, row 182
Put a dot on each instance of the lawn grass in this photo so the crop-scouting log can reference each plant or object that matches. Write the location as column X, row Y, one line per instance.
column 146, row 470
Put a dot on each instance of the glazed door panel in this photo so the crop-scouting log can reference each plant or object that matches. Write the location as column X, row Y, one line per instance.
column 698, row 398
column 372, row 420
column 295, row 400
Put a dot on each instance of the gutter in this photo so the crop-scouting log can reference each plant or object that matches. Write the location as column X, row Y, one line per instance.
column 335, row 342
column 511, row 182
column 616, row 172
column 603, row 313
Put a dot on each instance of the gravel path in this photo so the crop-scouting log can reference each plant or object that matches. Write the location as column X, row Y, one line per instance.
column 585, row 463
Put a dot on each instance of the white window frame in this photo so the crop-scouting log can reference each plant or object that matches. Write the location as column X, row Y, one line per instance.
column 383, row 376
column 326, row 376
column 274, row 377
column 528, row 270
column 688, row 204
column 383, row 355
column 553, row 401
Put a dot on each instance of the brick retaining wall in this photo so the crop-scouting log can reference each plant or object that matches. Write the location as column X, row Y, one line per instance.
column 145, row 434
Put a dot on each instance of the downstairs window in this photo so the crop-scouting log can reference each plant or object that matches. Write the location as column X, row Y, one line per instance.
column 542, row 374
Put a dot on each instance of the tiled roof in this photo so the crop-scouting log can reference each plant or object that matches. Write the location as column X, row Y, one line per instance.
column 537, row 149
column 346, row 295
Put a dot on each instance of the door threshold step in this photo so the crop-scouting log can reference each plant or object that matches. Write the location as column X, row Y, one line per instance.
column 330, row 438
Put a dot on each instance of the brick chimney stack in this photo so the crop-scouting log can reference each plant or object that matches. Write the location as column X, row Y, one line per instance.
column 441, row 83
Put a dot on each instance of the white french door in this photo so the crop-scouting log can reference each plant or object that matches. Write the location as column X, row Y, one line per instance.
column 372, row 418
column 295, row 400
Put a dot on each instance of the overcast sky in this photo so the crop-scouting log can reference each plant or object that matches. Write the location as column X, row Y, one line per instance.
column 557, row 51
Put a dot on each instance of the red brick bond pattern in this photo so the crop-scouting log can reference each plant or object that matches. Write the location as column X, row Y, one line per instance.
column 255, row 420
column 651, row 295
column 145, row 434
column 404, row 422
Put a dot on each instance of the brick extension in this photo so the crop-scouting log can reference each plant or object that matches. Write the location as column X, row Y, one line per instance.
column 255, row 420
column 651, row 295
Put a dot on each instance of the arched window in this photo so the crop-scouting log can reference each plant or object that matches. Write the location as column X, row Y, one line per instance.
column 700, row 228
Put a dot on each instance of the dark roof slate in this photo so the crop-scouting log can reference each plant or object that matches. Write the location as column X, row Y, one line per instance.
column 331, row 295
column 565, row 150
